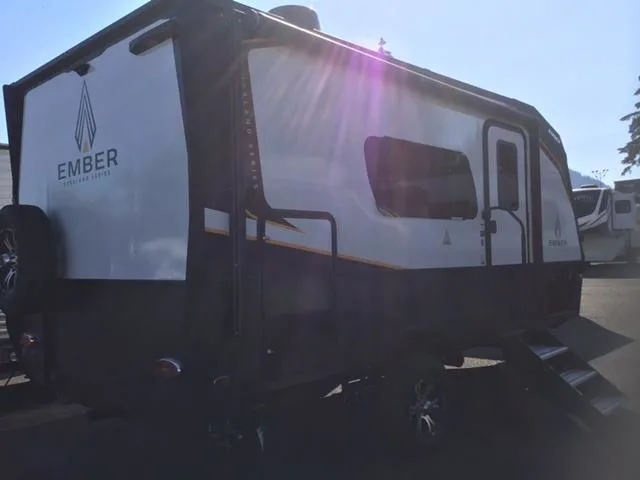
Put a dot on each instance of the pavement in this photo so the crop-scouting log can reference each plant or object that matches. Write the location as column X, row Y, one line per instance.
column 608, row 334
column 499, row 430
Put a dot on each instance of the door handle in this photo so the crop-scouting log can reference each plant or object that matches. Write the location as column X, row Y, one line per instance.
column 490, row 226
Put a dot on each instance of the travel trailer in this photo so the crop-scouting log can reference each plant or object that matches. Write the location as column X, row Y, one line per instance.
column 609, row 223
column 218, row 210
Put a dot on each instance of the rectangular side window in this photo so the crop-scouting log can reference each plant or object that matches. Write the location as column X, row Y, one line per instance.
column 623, row 206
column 419, row 181
column 507, row 166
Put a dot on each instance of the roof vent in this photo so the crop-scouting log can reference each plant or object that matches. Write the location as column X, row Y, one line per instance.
column 303, row 17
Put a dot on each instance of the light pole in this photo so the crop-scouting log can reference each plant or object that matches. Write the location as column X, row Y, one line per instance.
column 600, row 174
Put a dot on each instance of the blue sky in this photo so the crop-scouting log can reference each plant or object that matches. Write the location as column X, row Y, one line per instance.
column 577, row 62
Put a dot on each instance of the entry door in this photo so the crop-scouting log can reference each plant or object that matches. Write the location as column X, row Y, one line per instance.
column 506, row 198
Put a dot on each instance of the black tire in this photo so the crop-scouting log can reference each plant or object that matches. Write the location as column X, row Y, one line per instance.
column 397, row 408
column 246, row 454
column 27, row 260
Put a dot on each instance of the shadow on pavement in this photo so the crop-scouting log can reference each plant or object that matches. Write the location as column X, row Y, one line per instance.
column 18, row 396
column 498, row 431
column 585, row 337
column 590, row 340
column 612, row 271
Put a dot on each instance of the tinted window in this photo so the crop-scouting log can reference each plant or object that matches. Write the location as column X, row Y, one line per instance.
column 584, row 202
column 623, row 206
column 507, row 164
column 415, row 180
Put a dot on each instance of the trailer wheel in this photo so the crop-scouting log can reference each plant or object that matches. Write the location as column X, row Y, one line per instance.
column 241, row 446
column 413, row 410
column 27, row 259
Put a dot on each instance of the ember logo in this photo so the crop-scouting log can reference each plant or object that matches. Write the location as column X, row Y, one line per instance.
column 558, row 229
column 86, row 123
column 559, row 241
column 91, row 165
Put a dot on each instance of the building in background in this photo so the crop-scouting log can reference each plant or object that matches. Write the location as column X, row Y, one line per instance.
column 629, row 186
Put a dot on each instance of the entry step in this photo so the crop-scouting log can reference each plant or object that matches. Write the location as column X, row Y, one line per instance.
column 577, row 377
column 607, row 405
column 547, row 352
column 561, row 375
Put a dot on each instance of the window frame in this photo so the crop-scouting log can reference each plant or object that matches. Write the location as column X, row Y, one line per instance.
column 623, row 201
column 378, row 160
column 578, row 204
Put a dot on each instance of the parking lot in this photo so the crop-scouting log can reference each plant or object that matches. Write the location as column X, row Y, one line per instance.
column 499, row 431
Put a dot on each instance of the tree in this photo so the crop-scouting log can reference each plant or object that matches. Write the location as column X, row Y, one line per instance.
column 632, row 149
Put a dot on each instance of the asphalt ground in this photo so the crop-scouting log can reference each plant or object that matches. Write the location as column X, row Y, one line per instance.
column 608, row 335
column 499, row 430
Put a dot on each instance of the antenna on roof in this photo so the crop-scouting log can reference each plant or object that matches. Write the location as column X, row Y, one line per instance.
column 381, row 49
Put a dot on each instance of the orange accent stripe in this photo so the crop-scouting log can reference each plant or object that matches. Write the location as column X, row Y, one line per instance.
column 328, row 254
column 314, row 250
column 217, row 231
column 274, row 224
column 285, row 227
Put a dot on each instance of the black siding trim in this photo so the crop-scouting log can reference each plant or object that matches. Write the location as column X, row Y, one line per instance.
column 204, row 98
column 536, row 197
column 486, row 214
column 14, row 109
column 239, row 159
column 180, row 44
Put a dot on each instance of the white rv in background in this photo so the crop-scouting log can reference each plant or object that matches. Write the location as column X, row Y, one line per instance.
column 632, row 186
column 609, row 223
